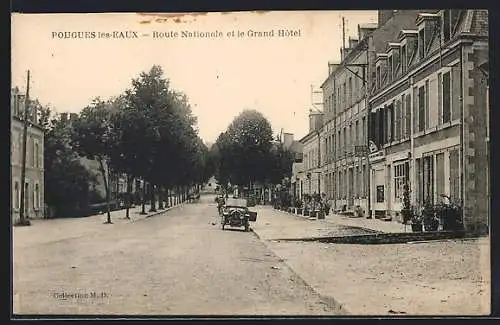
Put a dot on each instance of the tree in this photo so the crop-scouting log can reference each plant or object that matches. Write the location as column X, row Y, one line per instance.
column 93, row 138
column 245, row 149
column 66, row 180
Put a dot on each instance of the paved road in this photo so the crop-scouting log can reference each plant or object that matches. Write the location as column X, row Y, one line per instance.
column 176, row 263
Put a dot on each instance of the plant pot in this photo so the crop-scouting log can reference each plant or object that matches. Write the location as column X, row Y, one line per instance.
column 416, row 227
column 313, row 214
column 299, row 211
column 321, row 215
column 306, row 213
column 431, row 225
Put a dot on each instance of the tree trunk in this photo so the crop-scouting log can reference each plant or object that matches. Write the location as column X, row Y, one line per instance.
column 128, row 197
column 106, row 189
column 160, row 198
column 153, row 199
column 179, row 199
column 169, row 197
column 143, row 197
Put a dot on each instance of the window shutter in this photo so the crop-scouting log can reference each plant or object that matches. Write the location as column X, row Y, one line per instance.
column 440, row 99
column 408, row 116
column 415, row 109
column 433, row 102
column 455, row 92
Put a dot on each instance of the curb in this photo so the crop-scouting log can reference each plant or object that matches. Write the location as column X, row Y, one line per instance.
column 382, row 238
column 338, row 308
column 338, row 224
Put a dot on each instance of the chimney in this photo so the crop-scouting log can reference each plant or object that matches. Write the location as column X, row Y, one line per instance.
column 384, row 16
column 353, row 42
column 287, row 140
column 332, row 67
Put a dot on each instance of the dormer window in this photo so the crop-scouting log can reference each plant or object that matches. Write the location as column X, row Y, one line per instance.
column 446, row 25
column 421, row 43
column 449, row 20
column 403, row 58
column 379, row 77
column 390, row 68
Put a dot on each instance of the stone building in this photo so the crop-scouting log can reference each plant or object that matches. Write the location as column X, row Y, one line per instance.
column 344, row 133
column 306, row 173
column 427, row 117
column 34, row 182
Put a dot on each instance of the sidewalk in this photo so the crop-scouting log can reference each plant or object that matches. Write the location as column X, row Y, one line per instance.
column 434, row 278
column 274, row 224
column 48, row 230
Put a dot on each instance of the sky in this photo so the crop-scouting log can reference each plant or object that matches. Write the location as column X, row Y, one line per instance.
column 221, row 76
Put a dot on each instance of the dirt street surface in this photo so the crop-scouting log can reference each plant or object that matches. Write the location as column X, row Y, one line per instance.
column 176, row 263
column 427, row 278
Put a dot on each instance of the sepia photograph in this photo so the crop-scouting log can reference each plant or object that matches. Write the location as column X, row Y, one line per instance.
column 250, row 164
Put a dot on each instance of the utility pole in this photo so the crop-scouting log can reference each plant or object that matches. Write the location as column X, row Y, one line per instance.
column 343, row 34
column 23, row 221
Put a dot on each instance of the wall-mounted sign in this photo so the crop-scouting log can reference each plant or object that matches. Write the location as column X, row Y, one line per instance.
column 372, row 147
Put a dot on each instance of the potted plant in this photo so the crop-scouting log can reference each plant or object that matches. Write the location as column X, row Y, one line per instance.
column 299, row 207
column 431, row 223
column 358, row 212
column 450, row 214
column 416, row 222
column 406, row 211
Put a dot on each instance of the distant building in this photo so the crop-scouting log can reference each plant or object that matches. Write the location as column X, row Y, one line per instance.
column 306, row 173
column 34, row 182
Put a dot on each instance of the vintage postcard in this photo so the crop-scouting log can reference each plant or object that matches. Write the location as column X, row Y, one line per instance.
column 325, row 163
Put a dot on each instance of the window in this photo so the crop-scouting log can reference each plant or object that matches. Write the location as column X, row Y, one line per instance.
column 401, row 174
column 455, row 92
column 350, row 92
column 390, row 123
column 427, row 104
column 17, row 195
column 389, row 69
column 344, row 97
column 421, row 108
column 37, row 155
column 403, row 117
column 440, row 174
column 421, row 44
column 26, row 198
column 403, row 58
column 454, row 176
column 36, row 201
column 446, row 25
column 378, row 77
column 363, row 131
column 356, row 91
column 380, row 193
column 357, row 133
column 408, row 116
column 397, row 121
column 428, row 179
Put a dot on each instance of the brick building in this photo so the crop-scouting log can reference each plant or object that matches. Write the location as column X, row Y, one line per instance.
column 34, row 199
column 427, row 117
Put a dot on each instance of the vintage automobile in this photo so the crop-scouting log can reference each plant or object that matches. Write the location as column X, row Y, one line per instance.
column 235, row 213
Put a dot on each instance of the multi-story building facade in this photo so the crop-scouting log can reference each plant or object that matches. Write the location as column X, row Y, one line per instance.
column 427, row 122
column 34, row 186
column 306, row 173
column 344, row 134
